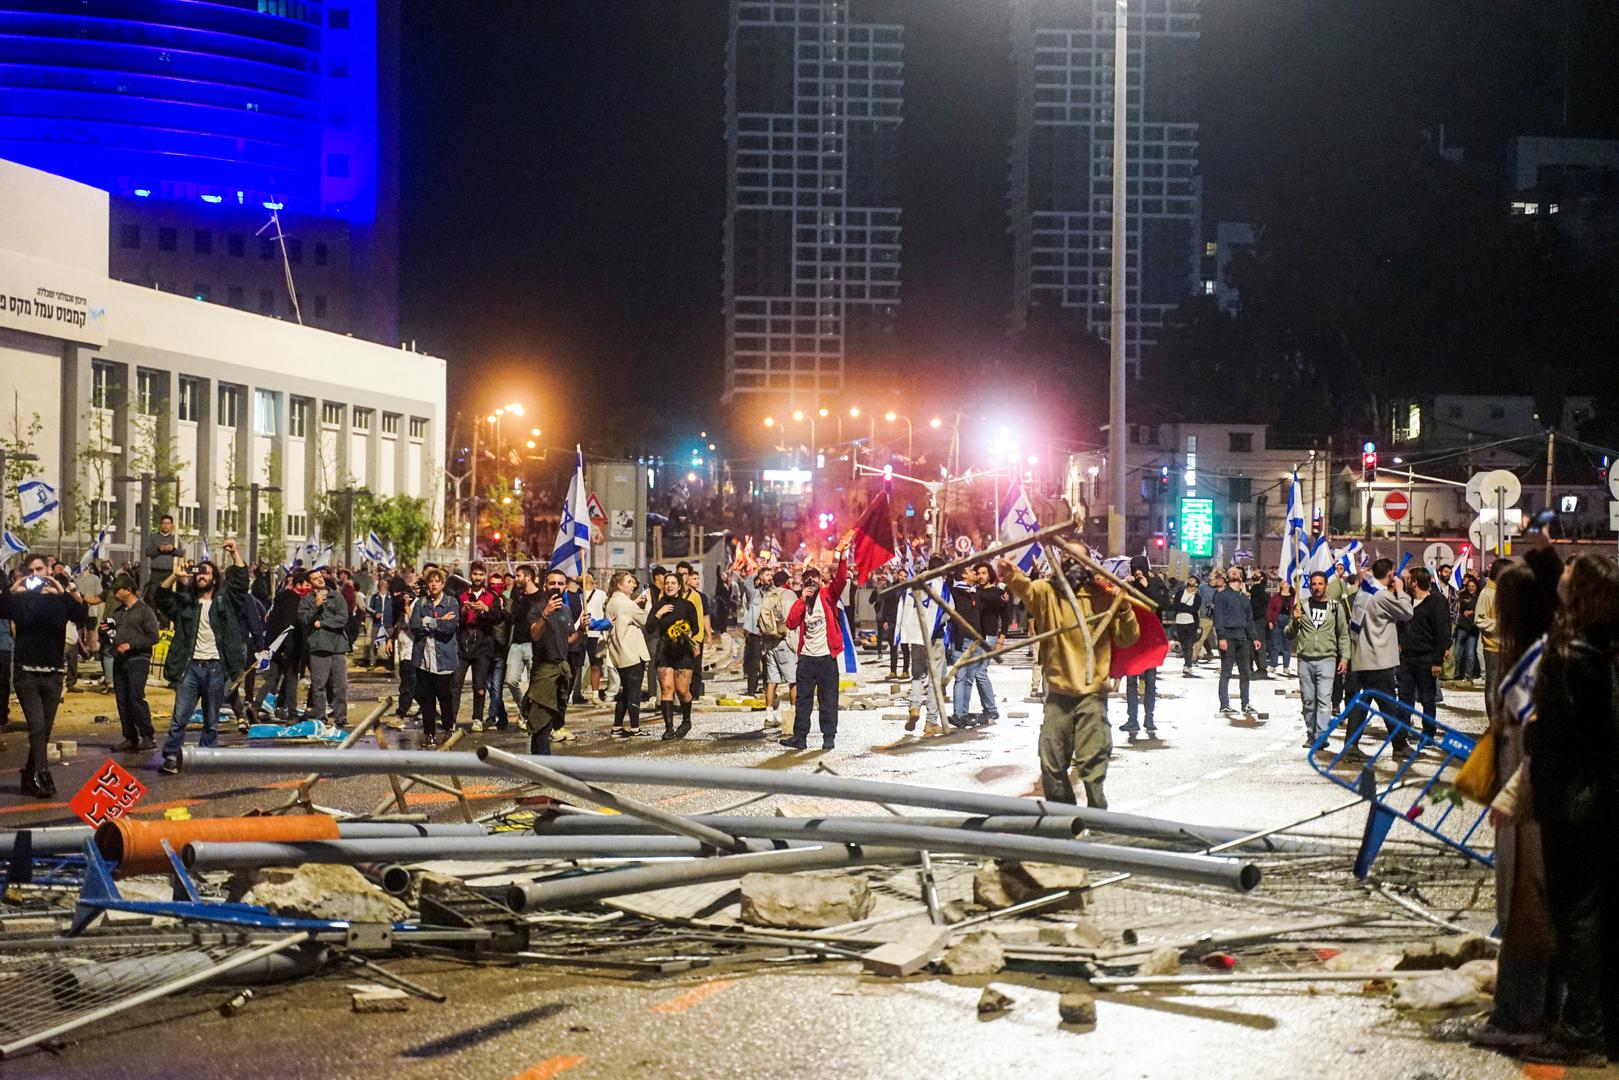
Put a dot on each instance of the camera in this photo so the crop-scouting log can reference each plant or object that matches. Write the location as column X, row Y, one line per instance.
column 33, row 582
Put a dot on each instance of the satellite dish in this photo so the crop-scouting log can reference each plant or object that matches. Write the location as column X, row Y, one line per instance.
column 1481, row 489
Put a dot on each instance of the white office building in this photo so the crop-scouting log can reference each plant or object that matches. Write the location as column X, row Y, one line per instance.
column 105, row 380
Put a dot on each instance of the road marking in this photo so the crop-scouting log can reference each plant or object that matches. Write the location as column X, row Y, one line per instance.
column 682, row 1002
column 1545, row 1072
column 551, row 1066
column 1178, row 789
column 1251, row 758
column 1219, row 774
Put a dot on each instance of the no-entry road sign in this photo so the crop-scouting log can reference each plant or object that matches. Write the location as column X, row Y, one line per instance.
column 1396, row 505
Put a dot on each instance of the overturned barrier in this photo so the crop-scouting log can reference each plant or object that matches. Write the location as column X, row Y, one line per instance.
column 683, row 775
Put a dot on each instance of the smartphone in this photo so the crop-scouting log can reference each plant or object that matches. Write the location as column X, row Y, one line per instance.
column 1538, row 523
column 33, row 582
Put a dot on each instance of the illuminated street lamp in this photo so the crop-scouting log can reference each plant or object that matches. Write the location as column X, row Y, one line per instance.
column 494, row 418
column 892, row 416
column 936, row 423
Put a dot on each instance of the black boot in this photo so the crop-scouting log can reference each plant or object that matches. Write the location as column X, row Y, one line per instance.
column 28, row 785
column 667, row 708
column 44, row 786
column 685, row 720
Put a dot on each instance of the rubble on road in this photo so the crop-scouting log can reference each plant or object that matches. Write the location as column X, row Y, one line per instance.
column 803, row 901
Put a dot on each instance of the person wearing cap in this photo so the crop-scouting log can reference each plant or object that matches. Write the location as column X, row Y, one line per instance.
column 134, row 634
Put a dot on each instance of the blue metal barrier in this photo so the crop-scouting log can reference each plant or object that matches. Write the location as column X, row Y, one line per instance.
column 1424, row 800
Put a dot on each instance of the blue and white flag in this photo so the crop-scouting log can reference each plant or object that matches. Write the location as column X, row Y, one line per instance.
column 1017, row 521
column 95, row 553
column 1518, row 688
column 1292, row 568
column 311, row 549
column 204, row 552
column 10, row 545
column 851, row 661
column 1456, row 574
column 37, row 499
column 1320, row 560
column 573, row 532
column 388, row 556
column 1349, row 559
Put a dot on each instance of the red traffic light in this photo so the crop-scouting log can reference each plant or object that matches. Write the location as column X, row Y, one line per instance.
column 1159, row 541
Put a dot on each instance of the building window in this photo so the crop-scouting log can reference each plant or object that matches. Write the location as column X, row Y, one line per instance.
column 298, row 417
column 320, row 305
column 320, row 253
column 295, row 250
column 103, row 388
column 337, row 164
column 103, row 514
column 187, row 517
column 362, row 419
column 266, row 302
column 168, row 239
column 1211, row 249
column 266, row 412
column 227, row 521
column 390, row 423
column 129, row 236
column 331, row 414
column 298, row 525
column 1208, row 287
column 418, row 427
column 202, row 242
column 190, row 399
column 237, row 296
column 338, row 18
column 1242, row 442
column 236, row 245
column 230, row 405
column 149, row 392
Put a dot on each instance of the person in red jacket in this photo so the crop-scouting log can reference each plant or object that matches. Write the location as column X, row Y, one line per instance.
column 820, row 642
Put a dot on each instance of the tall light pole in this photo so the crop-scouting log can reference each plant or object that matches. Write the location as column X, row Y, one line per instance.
column 891, row 416
column 1115, row 433
column 254, row 490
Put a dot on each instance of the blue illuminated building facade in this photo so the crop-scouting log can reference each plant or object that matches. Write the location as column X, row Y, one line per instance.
column 201, row 118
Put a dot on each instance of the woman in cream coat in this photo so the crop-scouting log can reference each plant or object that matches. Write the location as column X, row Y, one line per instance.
column 626, row 650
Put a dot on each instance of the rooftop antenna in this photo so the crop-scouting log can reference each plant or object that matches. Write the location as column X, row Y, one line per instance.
column 286, row 264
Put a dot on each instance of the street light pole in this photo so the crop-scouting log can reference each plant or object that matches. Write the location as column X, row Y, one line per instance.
column 472, row 498
column 254, row 490
column 146, row 480
column 1115, row 432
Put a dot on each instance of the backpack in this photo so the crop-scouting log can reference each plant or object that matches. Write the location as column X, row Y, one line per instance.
column 772, row 620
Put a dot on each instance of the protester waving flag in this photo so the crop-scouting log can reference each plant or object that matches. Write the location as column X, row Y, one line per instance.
column 10, row 545
column 1292, row 568
column 873, row 538
column 37, row 499
column 96, row 551
column 573, row 533
column 1457, row 572
column 1017, row 521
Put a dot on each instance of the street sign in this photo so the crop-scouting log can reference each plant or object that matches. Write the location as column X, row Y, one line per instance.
column 1481, row 489
column 1613, row 515
column 1197, row 527
column 963, row 545
column 1396, row 505
column 594, row 507
column 1613, row 482
column 109, row 793
column 1438, row 554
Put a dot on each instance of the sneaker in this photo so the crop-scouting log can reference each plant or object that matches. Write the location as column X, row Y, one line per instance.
column 562, row 735
column 912, row 717
column 1489, row 1035
column 988, row 719
column 147, row 744
column 429, row 742
column 1152, row 732
column 170, row 767
column 1249, row 711
column 791, row 744
column 617, row 732
column 932, row 728
column 126, row 746
column 477, row 725
column 1226, row 710
column 1129, row 729
column 828, row 744
column 1558, row 1049
column 1190, row 674
column 961, row 723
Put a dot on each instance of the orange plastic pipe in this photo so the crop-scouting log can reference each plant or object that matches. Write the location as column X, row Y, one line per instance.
column 137, row 846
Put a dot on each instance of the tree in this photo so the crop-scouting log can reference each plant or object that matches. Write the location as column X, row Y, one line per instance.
column 399, row 519
column 22, row 440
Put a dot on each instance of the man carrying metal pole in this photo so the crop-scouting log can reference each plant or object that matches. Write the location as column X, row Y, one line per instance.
column 1075, row 727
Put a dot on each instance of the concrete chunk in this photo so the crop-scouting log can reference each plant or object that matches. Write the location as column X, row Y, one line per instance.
column 1165, row 961
column 1000, row 883
column 380, row 1001
column 1077, row 1007
column 1444, row 952
column 909, row 954
column 993, row 1001
column 323, row 891
column 978, row 953
column 801, row 902
column 1080, row 934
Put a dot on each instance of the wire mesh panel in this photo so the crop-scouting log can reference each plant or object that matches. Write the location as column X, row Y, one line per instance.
column 53, row 986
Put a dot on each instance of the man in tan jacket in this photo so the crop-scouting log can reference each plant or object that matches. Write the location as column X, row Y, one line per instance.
column 1074, row 729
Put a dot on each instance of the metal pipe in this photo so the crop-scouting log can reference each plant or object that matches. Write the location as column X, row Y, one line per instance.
column 988, row 554
column 1061, row 828
column 583, row 888
column 529, row 769
column 1176, row 866
column 508, row 847
column 685, row 775
column 1263, row 977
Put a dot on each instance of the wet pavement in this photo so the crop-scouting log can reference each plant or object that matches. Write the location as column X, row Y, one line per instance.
column 821, row 1018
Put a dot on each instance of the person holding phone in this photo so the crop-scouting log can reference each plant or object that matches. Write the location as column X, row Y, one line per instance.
column 40, row 607
column 814, row 617
column 555, row 633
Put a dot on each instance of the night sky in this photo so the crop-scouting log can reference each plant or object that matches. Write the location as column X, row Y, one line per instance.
column 564, row 174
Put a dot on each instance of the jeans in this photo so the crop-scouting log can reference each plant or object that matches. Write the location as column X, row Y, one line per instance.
column 974, row 673
column 435, row 693
column 628, row 702
column 1464, row 647
column 497, row 693
column 202, row 684
column 1279, row 650
column 407, row 687
column 329, row 685
column 817, row 675
column 1186, row 634
column 752, row 662
column 39, row 693
column 1238, row 653
column 479, row 667
column 1416, row 684
column 129, row 691
column 921, row 697
column 281, row 679
column 1577, row 895
column 1315, row 692
column 1074, row 731
column 519, row 666
column 1492, row 672
column 1133, row 692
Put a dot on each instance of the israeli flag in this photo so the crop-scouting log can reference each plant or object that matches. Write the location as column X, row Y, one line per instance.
column 573, row 534
column 1320, row 560
column 204, row 552
column 851, row 661
column 389, row 557
column 37, row 498
column 95, row 551
column 371, row 547
column 1349, row 559
column 1456, row 574
column 1017, row 521
column 10, row 545
column 1292, row 567
column 1518, row 688
column 312, row 547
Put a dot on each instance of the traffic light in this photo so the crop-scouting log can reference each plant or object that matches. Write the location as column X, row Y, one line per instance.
column 1163, row 477
column 1368, row 462
column 1159, row 541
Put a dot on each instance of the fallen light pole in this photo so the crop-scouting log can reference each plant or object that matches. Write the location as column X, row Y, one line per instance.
column 682, row 775
column 69, row 839
column 761, row 826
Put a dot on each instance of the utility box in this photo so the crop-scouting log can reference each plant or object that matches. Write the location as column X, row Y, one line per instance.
column 618, row 530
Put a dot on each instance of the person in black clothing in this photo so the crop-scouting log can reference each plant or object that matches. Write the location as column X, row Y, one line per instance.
column 1141, row 691
column 481, row 609
column 1259, row 603
column 1183, row 615
column 1423, row 640
column 994, row 607
column 673, row 622
column 281, row 678
column 524, row 605
column 134, row 633
column 554, row 632
column 1573, row 746
column 40, row 607
column 888, row 630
